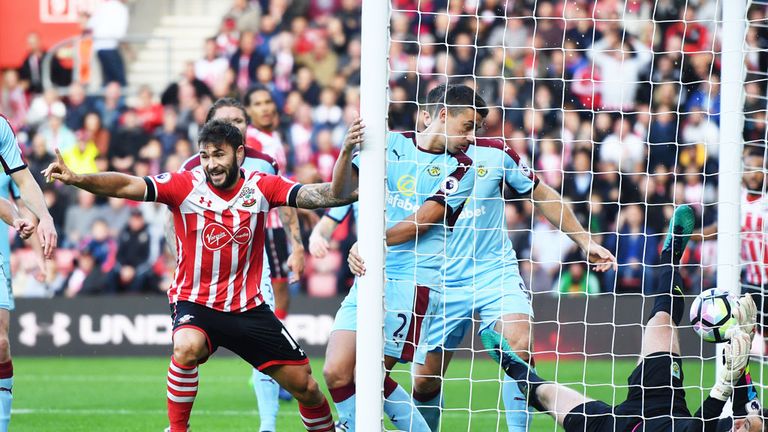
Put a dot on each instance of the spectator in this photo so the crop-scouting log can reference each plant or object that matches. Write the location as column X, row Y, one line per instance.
column 108, row 25
column 700, row 129
column 39, row 159
column 620, row 69
column 57, row 135
column 327, row 113
column 635, row 249
column 577, row 280
column 307, row 86
column 13, row 101
column 133, row 270
column 31, row 72
column 148, row 111
column 245, row 61
column 126, row 142
column 694, row 34
column 81, row 157
column 662, row 138
column 228, row 38
column 40, row 108
column 87, row 278
column 169, row 133
column 77, row 107
column 211, row 68
column 327, row 153
column 322, row 61
column 623, row 148
column 116, row 214
column 101, row 244
column 111, row 107
column 80, row 217
column 246, row 15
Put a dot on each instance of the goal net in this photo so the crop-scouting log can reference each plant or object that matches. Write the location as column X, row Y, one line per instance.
column 616, row 105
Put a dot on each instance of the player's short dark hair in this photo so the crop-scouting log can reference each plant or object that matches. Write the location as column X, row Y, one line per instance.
column 225, row 102
column 455, row 97
column 754, row 150
column 220, row 132
column 253, row 89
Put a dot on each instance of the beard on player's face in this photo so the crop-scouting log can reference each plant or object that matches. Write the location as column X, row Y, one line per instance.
column 230, row 175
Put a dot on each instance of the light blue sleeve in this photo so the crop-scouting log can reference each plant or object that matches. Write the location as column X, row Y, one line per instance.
column 10, row 153
column 517, row 174
column 339, row 213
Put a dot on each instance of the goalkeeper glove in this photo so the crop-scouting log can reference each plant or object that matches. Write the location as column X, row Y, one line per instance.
column 735, row 358
column 745, row 312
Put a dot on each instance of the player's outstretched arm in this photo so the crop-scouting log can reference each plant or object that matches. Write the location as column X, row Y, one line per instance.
column 345, row 179
column 105, row 184
column 321, row 235
column 551, row 205
column 428, row 215
column 319, row 195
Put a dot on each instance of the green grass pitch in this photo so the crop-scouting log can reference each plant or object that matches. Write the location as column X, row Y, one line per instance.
column 128, row 394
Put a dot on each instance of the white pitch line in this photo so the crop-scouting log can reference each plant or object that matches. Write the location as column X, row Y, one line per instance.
column 227, row 413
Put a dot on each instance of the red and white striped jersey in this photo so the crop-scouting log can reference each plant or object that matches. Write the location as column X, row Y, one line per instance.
column 754, row 248
column 270, row 144
column 219, row 235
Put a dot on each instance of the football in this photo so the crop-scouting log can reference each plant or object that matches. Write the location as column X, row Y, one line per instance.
column 711, row 314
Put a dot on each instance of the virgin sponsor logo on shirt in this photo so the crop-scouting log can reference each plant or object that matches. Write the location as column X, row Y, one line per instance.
column 217, row 236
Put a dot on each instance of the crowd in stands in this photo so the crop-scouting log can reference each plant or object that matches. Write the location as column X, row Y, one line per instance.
column 615, row 104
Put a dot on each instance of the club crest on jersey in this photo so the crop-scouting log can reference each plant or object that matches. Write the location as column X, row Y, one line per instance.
column 450, row 185
column 524, row 168
column 185, row 318
column 217, row 236
column 434, row 170
column 482, row 171
column 406, row 184
column 163, row 178
column 248, row 197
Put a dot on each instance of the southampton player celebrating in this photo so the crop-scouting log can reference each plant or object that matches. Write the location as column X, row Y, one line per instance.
column 656, row 399
column 231, row 111
column 429, row 180
column 14, row 166
column 219, row 214
column 481, row 272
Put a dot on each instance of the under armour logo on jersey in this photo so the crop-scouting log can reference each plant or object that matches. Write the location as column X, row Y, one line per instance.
column 216, row 236
column 31, row 329
column 204, row 201
column 185, row 318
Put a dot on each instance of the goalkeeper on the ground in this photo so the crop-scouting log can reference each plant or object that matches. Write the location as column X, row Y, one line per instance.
column 656, row 399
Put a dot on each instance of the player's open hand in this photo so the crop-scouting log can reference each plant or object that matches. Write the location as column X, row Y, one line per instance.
column 355, row 135
column 296, row 265
column 355, row 261
column 602, row 259
column 745, row 312
column 24, row 227
column 46, row 231
column 59, row 171
column 318, row 246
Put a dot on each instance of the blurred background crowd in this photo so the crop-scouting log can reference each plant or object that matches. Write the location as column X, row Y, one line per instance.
column 615, row 104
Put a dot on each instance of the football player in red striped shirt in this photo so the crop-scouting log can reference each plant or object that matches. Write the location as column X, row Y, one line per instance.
column 219, row 216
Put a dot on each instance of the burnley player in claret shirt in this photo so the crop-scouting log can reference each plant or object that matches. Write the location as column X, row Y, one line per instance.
column 219, row 214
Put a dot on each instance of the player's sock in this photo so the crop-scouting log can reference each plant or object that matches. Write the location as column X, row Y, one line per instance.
column 430, row 406
column 671, row 299
column 399, row 407
column 182, row 389
column 519, row 414
column 516, row 368
column 6, row 394
column 266, row 390
column 344, row 399
column 317, row 418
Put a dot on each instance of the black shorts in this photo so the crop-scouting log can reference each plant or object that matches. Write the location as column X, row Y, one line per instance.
column 655, row 385
column 276, row 245
column 257, row 336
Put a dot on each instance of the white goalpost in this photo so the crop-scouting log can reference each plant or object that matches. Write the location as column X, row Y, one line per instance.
column 369, row 374
column 618, row 106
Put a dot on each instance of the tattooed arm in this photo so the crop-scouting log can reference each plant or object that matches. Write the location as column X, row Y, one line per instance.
column 313, row 196
column 290, row 220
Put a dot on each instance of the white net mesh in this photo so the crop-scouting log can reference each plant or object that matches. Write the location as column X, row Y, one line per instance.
column 616, row 106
